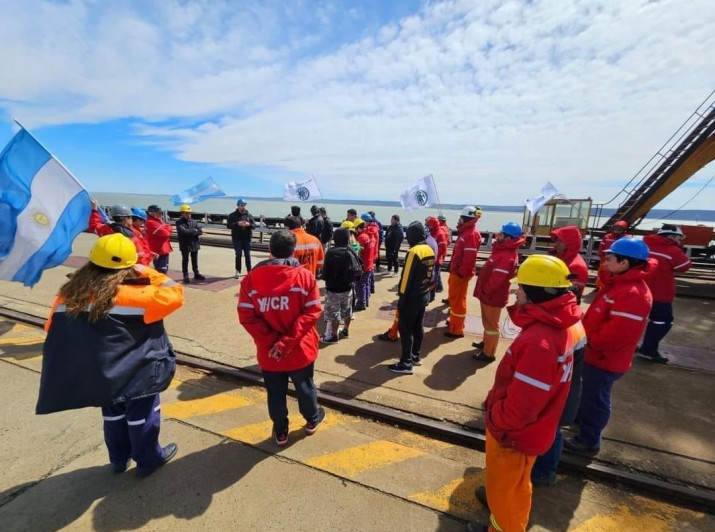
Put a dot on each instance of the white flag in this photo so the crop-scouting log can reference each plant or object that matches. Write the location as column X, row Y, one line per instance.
column 423, row 194
column 548, row 191
column 301, row 190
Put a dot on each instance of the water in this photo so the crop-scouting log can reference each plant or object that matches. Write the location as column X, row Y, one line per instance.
column 490, row 221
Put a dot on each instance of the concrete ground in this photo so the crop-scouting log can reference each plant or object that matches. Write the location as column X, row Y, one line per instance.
column 663, row 417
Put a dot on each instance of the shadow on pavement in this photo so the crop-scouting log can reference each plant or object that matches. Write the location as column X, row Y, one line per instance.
column 184, row 488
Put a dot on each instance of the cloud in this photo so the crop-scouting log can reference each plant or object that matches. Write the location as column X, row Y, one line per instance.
column 494, row 98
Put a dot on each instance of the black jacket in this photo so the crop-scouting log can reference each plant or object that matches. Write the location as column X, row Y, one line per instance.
column 315, row 226
column 188, row 231
column 238, row 232
column 416, row 275
column 394, row 235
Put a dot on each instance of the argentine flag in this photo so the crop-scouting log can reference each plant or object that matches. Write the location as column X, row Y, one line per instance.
column 208, row 188
column 42, row 209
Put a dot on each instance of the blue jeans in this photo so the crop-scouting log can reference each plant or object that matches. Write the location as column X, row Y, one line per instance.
column 131, row 430
column 660, row 321
column 595, row 408
column 546, row 464
column 242, row 247
column 161, row 263
column 305, row 391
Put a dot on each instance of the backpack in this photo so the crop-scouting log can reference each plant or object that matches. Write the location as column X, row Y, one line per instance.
column 351, row 270
column 326, row 234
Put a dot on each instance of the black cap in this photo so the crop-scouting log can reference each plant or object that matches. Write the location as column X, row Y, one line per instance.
column 154, row 208
column 295, row 210
column 314, row 210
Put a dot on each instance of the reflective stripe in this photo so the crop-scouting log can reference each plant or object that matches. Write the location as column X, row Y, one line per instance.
column 157, row 408
column 307, row 246
column 628, row 315
column 246, row 305
column 501, row 271
column 529, row 380
column 492, row 333
column 681, row 265
column 61, row 308
column 661, row 255
column 314, row 302
column 658, row 322
column 608, row 300
column 127, row 311
column 135, row 423
column 113, row 418
column 493, row 521
column 457, row 315
column 299, row 289
column 252, row 293
column 170, row 282
column 471, row 249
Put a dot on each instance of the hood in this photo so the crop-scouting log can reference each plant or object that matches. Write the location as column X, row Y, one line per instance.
column 341, row 237
column 560, row 313
column 571, row 236
column 432, row 224
column 633, row 274
column 509, row 244
column 468, row 226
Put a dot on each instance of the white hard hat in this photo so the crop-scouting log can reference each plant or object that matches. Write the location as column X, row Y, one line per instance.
column 469, row 211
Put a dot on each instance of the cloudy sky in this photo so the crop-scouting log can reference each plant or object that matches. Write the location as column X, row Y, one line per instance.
column 492, row 97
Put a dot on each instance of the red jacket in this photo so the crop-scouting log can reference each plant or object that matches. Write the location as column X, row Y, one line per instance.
column 494, row 278
column 158, row 234
column 617, row 318
column 440, row 235
column 532, row 381
column 571, row 236
column 374, row 233
column 142, row 245
column 464, row 254
column 671, row 258
column 367, row 251
column 278, row 305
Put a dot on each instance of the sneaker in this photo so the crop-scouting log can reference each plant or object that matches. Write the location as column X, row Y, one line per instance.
column 344, row 333
column 416, row 361
column 199, row 277
column 169, row 453
column 310, row 428
column 282, row 438
column 359, row 307
column 237, row 275
column 575, row 446
column 450, row 334
column 481, row 357
column 401, row 368
column 478, row 345
column 385, row 337
column 445, row 301
column 120, row 467
column 329, row 339
column 187, row 280
column 656, row 357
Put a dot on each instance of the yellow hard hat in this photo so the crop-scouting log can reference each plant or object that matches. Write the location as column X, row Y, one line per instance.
column 115, row 252
column 545, row 271
column 358, row 223
column 347, row 224
column 185, row 208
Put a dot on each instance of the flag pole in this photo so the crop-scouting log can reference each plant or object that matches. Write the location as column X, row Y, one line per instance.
column 439, row 202
column 316, row 186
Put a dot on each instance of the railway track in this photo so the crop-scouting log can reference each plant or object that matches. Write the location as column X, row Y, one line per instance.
column 694, row 496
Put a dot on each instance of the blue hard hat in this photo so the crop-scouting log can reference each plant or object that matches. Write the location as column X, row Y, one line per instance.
column 366, row 217
column 629, row 247
column 512, row 229
column 138, row 213
column 240, row 201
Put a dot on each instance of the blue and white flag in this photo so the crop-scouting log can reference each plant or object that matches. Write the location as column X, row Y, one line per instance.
column 548, row 192
column 301, row 190
column 421, row 195
column 42, row 209
column 208, row 188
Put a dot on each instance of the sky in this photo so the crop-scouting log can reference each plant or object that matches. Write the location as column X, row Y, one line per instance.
column 493, row 98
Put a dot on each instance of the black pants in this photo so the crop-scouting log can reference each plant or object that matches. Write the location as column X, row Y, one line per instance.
column 185, row 261
column 391, row 254
column 411, row 330
column 242, row 247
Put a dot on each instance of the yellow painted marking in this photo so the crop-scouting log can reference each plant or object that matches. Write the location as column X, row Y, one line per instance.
column 424, row 443
column 22, row 341
column 351, row 462
column 24, row 356
column 457, row 497
column 258, row 432
column 175, row 383
column 201, row 407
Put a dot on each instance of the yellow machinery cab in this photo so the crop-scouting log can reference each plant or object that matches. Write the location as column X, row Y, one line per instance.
column 558, row 213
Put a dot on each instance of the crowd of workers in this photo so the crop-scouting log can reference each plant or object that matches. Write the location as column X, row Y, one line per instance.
column 560, row 369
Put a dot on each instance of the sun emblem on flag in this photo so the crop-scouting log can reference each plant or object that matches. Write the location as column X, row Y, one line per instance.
column 41, row 219
column 303, row 193
column 421, row 197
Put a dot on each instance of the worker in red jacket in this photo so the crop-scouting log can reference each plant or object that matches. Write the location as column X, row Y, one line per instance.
column 367, row 256
column 440, row 235
column 567, row 246
column 614, row 324
column 373, row 231
column 530, row 388
column 158, row 233
column 617, row 231
column 493, row 284
column 461, row 269
column 144, row 255
column 667, row 249
column 279, row 304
